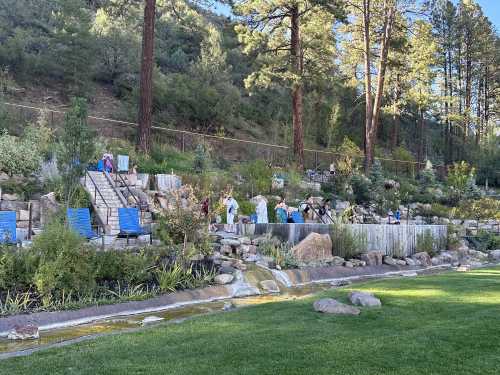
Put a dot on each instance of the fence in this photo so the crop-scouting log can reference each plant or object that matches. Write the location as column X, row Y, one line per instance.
column 225, row 149
column 396, row 240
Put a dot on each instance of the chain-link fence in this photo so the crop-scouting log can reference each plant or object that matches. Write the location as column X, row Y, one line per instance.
column 224, row 149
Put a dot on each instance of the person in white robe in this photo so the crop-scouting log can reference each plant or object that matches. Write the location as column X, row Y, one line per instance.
column 231, row 209
column 261, row 211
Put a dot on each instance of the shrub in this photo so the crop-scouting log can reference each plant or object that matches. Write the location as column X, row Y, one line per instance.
column 480, row 209
column 426, row 242
column 345, row 243
column 16, row 269
column 488, row 241
column 361, row 188
column 201, row 159
column 17, row 155
column 65, row 264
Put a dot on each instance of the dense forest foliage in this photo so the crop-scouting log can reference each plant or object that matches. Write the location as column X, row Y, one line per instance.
column 272, row 70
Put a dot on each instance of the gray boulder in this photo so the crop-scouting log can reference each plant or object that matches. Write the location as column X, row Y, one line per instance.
column 494, row 255
column 223, row 279
column 410, row 262
column 423, row 258
column 338, row 261
column 331, row 306
column 230, row 242
column 364, row 299
column 389, row 261
column 28, row 332
column 373, row 258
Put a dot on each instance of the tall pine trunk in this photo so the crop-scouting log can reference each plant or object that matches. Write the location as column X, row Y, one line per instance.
column 368, row 146
column 146, row 85
column 297, row 64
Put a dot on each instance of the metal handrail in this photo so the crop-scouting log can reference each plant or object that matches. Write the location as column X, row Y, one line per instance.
column 128, row 189
column 96, row 190
column 316, row 212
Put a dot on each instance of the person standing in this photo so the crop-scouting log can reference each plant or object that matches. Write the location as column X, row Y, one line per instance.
column 231, row 209
column 261, row 211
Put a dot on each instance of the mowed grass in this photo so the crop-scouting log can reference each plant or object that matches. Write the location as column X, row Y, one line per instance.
column 442, row 324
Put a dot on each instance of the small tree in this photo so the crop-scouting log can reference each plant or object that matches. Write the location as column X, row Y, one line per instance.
column 76, row 147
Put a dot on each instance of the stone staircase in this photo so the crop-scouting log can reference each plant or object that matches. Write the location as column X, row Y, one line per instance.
column 107, row 205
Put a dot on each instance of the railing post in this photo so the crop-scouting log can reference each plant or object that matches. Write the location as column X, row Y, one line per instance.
column 30, row 223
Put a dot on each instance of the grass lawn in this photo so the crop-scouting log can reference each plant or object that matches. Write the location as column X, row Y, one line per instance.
column 443, row 324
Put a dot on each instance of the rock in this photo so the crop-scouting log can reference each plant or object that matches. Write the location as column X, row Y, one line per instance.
column 357, row 262
column 409, row 274
column 373, row 258
column 10, row 197
column 228, row 306
column 464, row 268
column 478, row 255
column 227, row 263
column 494, row 255
column 338, row 283
column 364, row 299
column 331, row 306
column 410, row 262
column 259, row 240
column 240, row 266
column 223, row 279
column 269, row 286
column 226, row 249
column 28, row 332
column 337, row 261
column 12, row 205
column 314, row 248
column 227, row 270
column 267, row 262
column 251, row 258
column 151, row 319
column 400, row 262
column 348, row 264
column 48, row 207
column 245, row 241
column 475, row 264
column 230, row 242
column 389, row 261
column 423, row 258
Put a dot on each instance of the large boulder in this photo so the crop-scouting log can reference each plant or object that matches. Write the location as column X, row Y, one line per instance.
column 315, row 248
column 494, row 255
column 389, row 260
column 423, row 259
column 373, row 258
column 364, row 299
column 331, row 306
column 28, row 332
column 224, row 278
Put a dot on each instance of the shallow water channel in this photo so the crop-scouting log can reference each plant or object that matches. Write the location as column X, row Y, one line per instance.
column 131, row 322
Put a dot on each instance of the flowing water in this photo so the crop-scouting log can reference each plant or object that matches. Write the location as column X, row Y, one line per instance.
column 131, row 322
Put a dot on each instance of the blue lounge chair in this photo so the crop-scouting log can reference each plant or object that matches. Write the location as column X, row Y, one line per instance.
column 79, row 221
column 8, row 227
column 281, row 215
column 297, row 217
column 253, row 218
column 129, row 224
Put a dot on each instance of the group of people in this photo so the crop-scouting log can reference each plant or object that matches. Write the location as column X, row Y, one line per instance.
column 284, row 213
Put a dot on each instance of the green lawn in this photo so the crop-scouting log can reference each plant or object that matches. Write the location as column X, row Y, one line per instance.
column 444, row 324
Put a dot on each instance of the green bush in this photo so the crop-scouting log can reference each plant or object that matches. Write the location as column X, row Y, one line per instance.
column 361, row 186
column 427, row 243
column 345, row 243
column 488, row 241
column 66, row 264
column 17, row 269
